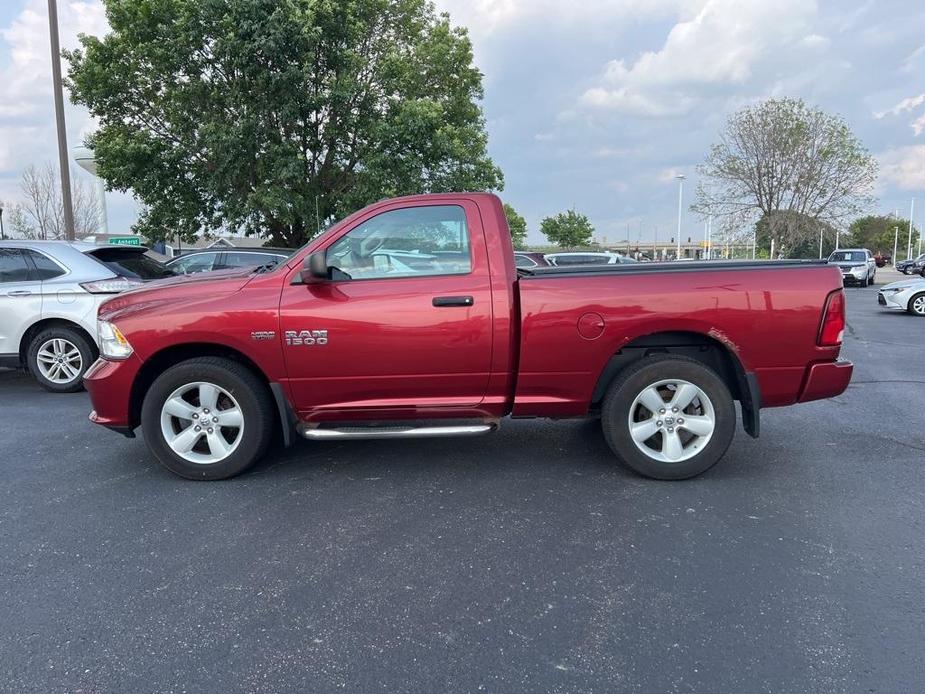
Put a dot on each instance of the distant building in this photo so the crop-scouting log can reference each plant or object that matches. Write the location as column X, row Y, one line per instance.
column 175, row 247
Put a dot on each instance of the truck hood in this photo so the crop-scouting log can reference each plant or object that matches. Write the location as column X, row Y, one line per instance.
column 174, row 290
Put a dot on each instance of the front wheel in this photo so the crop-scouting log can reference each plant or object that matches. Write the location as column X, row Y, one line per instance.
column 207, row 418
column 668, row 417
column 917, row 305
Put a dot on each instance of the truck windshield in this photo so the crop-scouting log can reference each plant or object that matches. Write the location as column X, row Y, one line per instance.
column 847, row 257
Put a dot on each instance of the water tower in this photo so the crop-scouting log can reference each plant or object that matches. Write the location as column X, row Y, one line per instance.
column 84, row 158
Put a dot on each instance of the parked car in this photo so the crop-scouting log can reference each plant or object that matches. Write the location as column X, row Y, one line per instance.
column 333, row 346
column 49, row 294
column 905, row 295
column 206, row 261
column 912, row 265
column 857, row 265
column 882, row 260
column 589, row 258
column 530, row 259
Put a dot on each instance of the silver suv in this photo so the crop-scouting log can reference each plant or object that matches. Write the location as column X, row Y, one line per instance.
column 49, row 295
column 857, row 265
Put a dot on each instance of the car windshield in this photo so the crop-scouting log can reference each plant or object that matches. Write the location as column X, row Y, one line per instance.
column 131, row 264
column 847, row 257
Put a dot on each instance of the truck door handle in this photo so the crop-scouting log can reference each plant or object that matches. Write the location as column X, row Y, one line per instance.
column 443, row 301
column 20, row 292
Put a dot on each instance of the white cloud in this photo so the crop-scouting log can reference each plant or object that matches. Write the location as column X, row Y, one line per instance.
column 27, row 116
column 906, row 104
column 904, row 167
column 485, row 17
column 27, row 126
column 722, row 47
column 918, row 125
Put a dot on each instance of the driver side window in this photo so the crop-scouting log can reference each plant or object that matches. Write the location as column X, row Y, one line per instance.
column 409, row 242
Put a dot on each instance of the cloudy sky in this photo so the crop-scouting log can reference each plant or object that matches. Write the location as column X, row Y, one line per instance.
column 596, row 104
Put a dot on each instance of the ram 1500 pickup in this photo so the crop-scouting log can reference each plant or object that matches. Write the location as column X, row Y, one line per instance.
column 410, row 319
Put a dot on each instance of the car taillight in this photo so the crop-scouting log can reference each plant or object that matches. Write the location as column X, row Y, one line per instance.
column 112, row 286
column 833, row 320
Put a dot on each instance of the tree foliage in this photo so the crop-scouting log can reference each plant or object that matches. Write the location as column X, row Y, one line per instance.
column 40, row 215
column 878, row 233
column 276, row 116
column 793, row 166
column 568, row 229
column 517, row 225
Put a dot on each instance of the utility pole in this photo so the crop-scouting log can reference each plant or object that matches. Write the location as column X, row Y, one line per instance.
column 58, row 89
column 909, row 243
column 680, row 178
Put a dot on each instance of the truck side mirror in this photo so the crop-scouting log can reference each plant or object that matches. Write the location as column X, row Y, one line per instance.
column 315, row 269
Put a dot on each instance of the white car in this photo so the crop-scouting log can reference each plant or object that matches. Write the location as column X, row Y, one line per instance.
column 587, row 258
column 905, row 295
column 49, row 295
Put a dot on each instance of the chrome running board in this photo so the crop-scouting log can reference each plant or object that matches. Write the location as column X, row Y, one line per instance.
column 345, row 433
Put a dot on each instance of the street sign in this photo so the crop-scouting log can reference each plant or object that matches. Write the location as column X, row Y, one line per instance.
column 125, row 240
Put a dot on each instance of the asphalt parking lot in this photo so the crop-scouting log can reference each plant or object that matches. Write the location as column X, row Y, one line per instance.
column 526, row 561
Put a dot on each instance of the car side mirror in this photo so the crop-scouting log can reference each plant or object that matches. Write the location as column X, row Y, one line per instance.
column 315, row 268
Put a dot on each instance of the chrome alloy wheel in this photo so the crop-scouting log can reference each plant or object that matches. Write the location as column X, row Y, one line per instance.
column 671, row 420
column 59, row 360
column 202, row 423
column 918, row 305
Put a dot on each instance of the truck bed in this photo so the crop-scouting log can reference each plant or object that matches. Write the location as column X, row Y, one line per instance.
column 765, row 314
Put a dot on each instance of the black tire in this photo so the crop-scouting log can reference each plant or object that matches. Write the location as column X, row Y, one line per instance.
column 253, row 398
column 649, row 371
column 873, row 280
column 909, row 306
column 74, row 337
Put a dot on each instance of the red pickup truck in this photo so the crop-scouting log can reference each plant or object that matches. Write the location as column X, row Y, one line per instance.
column 410, row 319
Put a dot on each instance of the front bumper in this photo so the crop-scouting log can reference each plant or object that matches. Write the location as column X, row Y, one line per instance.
column 891, row 300
column 110, row 386
column 855, row 277
column 826, row 380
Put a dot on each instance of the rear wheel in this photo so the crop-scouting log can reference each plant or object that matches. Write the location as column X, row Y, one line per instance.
column 207, row 418
column 668, row 417
column 59, row 357
column 917, row 305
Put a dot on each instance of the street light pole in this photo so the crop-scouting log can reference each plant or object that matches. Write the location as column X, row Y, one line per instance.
column 680, row 178
column 909, row 244
column 58, row 90
column 1, row 222
column 895, row 243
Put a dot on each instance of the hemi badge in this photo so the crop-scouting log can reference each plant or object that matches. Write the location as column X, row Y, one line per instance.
column 263, row 335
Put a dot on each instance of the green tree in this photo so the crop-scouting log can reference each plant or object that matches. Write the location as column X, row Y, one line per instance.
column 878, row 233
column 791, row 165
column 568, row 229
column 276, row 116
column 517, row 225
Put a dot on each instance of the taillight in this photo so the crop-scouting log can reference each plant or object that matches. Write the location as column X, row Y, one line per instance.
column 833, row 320
column 111, row 286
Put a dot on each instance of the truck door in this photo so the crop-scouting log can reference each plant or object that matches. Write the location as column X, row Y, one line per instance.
column 404, row 323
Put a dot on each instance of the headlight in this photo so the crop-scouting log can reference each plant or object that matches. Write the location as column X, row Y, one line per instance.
column 113, row 344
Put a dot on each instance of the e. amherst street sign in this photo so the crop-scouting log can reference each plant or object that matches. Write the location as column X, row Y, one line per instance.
column 125, row 240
